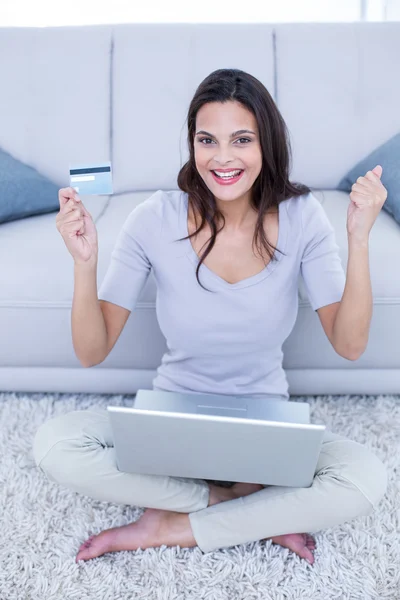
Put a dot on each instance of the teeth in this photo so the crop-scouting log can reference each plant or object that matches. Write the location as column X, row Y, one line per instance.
column 227, row 175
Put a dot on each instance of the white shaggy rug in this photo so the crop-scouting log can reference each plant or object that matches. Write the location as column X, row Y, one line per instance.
column 43, row 525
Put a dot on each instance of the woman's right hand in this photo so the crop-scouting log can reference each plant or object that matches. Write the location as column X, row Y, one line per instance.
column 76, row 227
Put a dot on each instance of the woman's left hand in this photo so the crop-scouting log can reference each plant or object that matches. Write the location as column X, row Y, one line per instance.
column 367, row 197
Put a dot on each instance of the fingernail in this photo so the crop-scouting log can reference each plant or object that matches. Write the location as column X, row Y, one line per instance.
column 309, row 561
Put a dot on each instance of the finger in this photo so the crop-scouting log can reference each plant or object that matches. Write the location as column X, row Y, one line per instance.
column 372, row 177
column 86, row 212
column 360, row 200
column 366, row 182
column 66, row 214
column 69, row 207
column 66, row 194
column 75, row 202
column 72, row 218
column 69, row 204
column 361, row 189
column 72, row 227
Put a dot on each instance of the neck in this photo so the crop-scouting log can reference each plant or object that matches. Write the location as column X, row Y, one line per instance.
column 238, row 213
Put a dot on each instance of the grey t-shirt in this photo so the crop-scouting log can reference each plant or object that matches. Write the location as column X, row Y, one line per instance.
column 228, row 340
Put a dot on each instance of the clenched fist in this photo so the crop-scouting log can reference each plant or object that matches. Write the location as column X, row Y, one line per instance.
column 77, row 228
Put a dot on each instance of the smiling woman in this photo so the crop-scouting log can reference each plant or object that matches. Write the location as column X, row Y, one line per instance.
column 224, row 340
column 229, row 122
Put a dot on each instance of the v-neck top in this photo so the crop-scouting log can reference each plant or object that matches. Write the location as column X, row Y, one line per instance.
column 227, row 340
column 213, row 277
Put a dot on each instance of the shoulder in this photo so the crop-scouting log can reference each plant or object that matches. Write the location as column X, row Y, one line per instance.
column 153, row 212
column 305, row 204
column 299, row 209
column 311, row 212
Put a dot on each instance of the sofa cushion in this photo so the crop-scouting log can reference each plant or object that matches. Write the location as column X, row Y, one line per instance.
column 24, row 191
column 388, row 156
column 36, row 291
column 39, row 269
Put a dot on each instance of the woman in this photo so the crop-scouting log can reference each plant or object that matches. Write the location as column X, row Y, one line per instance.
column 234, row 195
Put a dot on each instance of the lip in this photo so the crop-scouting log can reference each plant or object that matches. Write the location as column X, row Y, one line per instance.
column 229, row 181
column 228, row 170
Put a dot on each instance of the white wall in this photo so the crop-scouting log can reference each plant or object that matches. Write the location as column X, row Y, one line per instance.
column 393, row 10
column 42, row 13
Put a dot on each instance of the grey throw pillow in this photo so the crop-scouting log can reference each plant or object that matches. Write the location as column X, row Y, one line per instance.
column 388, row 156
column 24, row 192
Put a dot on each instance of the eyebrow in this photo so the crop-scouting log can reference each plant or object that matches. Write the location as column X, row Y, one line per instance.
column 233, row 134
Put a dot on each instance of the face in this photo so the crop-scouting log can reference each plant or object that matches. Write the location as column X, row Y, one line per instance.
column 222, row 148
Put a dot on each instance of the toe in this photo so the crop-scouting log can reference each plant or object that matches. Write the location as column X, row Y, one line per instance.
column 302, row 549
column 308, row 555
column 85, row 550
column 87, row 542
column 311, row 546
column 310, row 542
column 82, row 555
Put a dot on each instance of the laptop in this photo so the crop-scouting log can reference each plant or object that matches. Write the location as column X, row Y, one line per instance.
column 217, row 437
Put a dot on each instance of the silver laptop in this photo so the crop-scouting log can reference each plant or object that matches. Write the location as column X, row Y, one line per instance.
column 217, row 437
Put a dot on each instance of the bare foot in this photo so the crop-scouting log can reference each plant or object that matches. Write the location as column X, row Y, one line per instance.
column 300, row 543
column 157, row 527
column 154, row 528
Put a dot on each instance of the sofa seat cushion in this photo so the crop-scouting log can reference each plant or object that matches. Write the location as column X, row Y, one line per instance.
column 36, row 266
column 39, row 268
column 37, row 279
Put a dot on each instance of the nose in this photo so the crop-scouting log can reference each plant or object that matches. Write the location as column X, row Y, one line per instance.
column 223, row 156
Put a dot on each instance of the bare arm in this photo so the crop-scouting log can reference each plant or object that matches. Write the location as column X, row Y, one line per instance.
column 96, row 324
column 89, row 332
column 353, row 319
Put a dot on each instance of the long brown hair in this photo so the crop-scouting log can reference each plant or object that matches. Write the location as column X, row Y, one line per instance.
column 272, row 186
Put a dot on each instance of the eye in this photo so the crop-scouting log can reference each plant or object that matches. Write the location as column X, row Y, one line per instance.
column 203, row 139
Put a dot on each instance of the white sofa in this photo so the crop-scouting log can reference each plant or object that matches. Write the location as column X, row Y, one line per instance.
column 120, row 93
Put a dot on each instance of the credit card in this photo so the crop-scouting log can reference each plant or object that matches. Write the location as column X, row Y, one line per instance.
column 91, row 179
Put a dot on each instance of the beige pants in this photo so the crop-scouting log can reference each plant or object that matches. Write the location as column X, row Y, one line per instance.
column 76, row 450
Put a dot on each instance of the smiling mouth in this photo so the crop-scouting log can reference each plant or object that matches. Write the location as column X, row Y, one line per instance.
column 238, row 172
